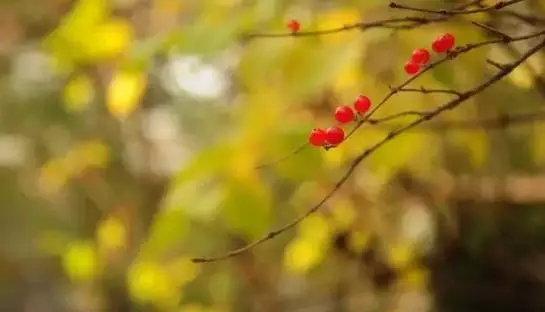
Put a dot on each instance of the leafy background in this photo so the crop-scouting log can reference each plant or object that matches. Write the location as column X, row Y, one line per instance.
column 130, row 133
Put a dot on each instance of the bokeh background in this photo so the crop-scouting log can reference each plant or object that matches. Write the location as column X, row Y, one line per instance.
column 130, row 131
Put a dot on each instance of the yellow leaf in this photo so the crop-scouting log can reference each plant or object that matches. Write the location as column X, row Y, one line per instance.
column 111, row 234
column 78, row 93
column 150, row 283
column 70, row 42
column 95, row 153
column 125, row 92
column 302, row 254
column 80, row 262
column 84, row 15
column 108, row 40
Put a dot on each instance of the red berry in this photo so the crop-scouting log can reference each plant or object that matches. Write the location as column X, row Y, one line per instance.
column 294, row 26
column 411, row 68
column 344, row 114
column 420, row 56
column 317, row 137
column 362, row 104
column 334, row 135
column 448, row 40
column 443, row 43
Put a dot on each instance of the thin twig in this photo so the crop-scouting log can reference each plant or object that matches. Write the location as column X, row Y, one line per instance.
column 426, row 91
column 403, row 23
column 497, row 6
column 283, row 158
column 492, row 30
column 391, row 23
column 495, row 64
column 448, row 106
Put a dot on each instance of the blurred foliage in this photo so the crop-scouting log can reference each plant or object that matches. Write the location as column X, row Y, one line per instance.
column 130, row 131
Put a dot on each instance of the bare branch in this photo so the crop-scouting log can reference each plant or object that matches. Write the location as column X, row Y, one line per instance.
column 497, row 6
column 492, row 30
column 283, row 158
column 495, row 64
column 392, row 23
column 403, row 23
column 426, row 91
column 366, row 153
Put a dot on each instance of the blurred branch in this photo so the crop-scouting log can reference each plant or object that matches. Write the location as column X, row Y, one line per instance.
column 497, row 6
column 296, row 151
column 517, row 188
column 393, row 134
column 408, row 22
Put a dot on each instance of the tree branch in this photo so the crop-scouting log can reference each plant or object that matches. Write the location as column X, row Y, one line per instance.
column 366, row 153
column 497, row 6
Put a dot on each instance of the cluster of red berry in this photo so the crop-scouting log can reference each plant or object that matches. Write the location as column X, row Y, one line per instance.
column 333, row 136
column 420, row 57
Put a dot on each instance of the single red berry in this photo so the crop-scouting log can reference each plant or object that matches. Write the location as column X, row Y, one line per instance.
column 443, row 43
column 448, row 41
column 438, row 46
column 411, row 68
column 420, row 56
column 317, row 137
column 344, row 114
column 294, row 26
column 334, row 135
column 362, row 104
